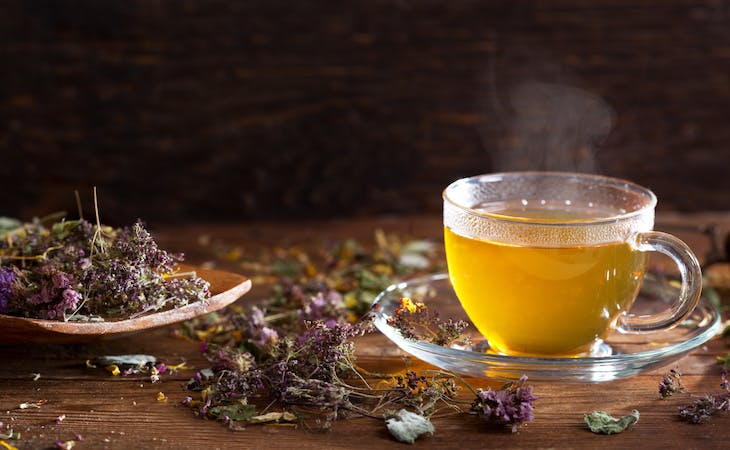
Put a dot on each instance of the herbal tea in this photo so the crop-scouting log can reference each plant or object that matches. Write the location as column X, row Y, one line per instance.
column 549, row 263
column 535, row 300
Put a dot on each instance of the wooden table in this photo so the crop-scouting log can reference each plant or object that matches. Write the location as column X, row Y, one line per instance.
column 124, row 412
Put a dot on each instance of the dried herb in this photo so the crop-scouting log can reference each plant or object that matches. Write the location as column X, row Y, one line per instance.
column 32, row 405
column 126, row 361
column 415, row 320
column 76, row 270
column 133, row 365
column 509, row 406
column 295, row 349
column 671, row 383
column 8, row 432
column 600, row 422
column 64, row 445
column 407, row 426
column 724, row 360
column 701, row 410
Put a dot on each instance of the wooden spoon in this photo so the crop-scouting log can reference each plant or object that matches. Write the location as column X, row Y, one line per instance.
column 225, row 288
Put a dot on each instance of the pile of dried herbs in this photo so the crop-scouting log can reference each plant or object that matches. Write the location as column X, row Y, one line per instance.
column 61, row 269
column 294, row 351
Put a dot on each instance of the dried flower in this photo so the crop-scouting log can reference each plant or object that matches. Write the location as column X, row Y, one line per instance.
column 671, row 383
column 126, row 365
column 296, row 347
column 415, row 320
column 511, row 405
column 61, row 445
column 7, row 277
column 36, row 405
column 75, row 271
column 701, row 410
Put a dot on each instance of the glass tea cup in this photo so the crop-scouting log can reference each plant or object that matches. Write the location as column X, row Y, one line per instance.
column 549, row 263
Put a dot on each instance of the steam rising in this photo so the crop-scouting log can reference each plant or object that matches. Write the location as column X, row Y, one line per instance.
column 553, row 127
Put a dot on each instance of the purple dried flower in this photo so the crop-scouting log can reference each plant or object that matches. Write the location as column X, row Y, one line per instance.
column 135, row 244
column 120, row 272
column 701, row 410
column 7, row 278
column 325, row 306
column 511, row 405
column 59, row 279
column 257, row 331
column 671, row 383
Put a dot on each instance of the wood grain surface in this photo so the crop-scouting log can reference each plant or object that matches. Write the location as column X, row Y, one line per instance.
column 124, row 412
column 215, row 110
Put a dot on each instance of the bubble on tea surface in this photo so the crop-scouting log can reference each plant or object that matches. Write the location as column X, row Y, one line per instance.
column 588, row 220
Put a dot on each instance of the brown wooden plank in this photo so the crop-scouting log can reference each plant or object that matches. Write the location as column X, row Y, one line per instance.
column 123, row 412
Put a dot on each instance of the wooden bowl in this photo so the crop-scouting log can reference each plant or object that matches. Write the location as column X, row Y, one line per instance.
column 225, row 288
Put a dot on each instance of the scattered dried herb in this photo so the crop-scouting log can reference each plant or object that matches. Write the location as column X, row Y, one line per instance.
column 295, row 349
column 7, row 432
column 64, row 445
column 415, row 320
column 407, row 426
column 133, row 365
column 671, row 383
column 137, row 362
column 76, row 270
column 509, row 406
column 600, row 422
column 725, row 359
column 701, row 410
column 32, row 405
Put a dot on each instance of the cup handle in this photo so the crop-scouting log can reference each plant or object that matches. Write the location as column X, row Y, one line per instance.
column 689, row 292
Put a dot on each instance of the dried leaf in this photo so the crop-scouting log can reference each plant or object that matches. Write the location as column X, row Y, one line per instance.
column 601, row 422
column 414, row 261
column 418, row 246
column 278, row 417
column 234, row 412
column 125, row 361
column 9, row 224
column 406, row 426
column 10, row 434
column 28, row 405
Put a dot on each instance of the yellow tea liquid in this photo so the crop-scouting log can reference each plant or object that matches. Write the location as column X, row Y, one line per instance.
column 542, row 301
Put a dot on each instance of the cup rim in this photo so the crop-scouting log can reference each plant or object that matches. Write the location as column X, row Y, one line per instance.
column 629, row 186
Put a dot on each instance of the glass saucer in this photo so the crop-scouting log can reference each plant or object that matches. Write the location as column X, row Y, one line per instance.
column 622, row 355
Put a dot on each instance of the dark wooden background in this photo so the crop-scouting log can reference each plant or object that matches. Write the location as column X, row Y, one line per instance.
column 229, row 110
